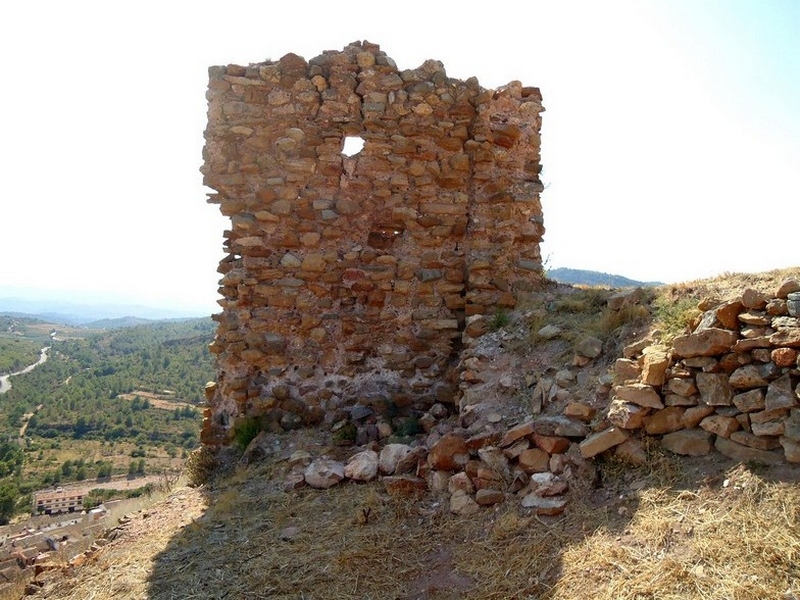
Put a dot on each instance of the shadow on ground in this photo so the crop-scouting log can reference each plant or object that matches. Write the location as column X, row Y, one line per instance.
column 630, row 529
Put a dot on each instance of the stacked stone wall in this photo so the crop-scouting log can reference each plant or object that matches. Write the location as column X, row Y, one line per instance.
column 348, row 279
column 732, row 384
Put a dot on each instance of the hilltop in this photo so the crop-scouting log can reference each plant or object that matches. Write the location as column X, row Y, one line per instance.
column 595, row 278
column 663, row 526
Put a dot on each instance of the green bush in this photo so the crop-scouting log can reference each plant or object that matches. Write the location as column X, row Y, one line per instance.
column 244, row 432
column 500, row 319
column 346, row 434
column 675, row 316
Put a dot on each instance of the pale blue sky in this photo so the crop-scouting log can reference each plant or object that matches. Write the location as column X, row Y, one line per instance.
column 671, row 140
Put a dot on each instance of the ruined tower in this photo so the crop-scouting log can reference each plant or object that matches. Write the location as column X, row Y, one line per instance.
column 349, row 279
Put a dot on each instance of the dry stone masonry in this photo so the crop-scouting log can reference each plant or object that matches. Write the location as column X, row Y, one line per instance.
column 732, row 384
column 348, row 279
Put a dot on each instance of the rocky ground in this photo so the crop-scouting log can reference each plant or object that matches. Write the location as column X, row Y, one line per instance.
column 479, row 503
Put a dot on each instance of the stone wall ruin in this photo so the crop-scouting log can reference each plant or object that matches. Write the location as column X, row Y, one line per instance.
column 349, row 280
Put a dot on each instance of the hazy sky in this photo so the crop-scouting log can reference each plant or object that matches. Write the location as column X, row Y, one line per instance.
column 671, row 140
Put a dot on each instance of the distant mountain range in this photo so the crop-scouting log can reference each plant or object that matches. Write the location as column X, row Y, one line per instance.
column 595, row 278
column 103, row 315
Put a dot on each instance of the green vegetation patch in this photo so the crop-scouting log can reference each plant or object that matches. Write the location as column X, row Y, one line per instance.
column 100, row 401
column 17, row 353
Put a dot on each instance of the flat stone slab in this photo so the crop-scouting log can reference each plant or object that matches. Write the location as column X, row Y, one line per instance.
column 744, row 454
column 602, row 441
column 688, row 442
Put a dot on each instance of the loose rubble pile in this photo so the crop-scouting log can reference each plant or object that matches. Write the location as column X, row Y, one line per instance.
column 731, row 384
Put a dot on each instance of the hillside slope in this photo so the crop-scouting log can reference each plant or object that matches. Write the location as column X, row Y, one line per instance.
column 692, row 527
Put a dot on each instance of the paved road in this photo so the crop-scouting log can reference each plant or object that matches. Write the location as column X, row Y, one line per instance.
column 5, row 383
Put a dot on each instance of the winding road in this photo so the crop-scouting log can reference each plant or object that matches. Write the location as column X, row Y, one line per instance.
column 5, row 383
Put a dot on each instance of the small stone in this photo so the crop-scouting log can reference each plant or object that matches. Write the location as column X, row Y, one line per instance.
column 602, row 441
column 390, row 456
column 362, row 466
column 404, row 486
column 545, row 506
column 710, row 342
column 487, row 497
column 323, row 473
column 581, row 411
column 665, row 421
column 744, row 454
column 450, row 453
column 715, row 390
column 784, row 357
column 590, row 347
column 721, row 426
column 463, row 504
column 460, row 481
column 517, row 432
column 656, row 360
column 754, row 441
column 534, row 460
column 639, row 393
column 688, row 442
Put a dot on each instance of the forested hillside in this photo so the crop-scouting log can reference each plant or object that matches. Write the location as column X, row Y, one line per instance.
column 115, row 401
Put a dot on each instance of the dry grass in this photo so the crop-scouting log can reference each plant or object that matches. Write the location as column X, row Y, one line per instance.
column 729, row 285
column 666, row 530
column 739, row 542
